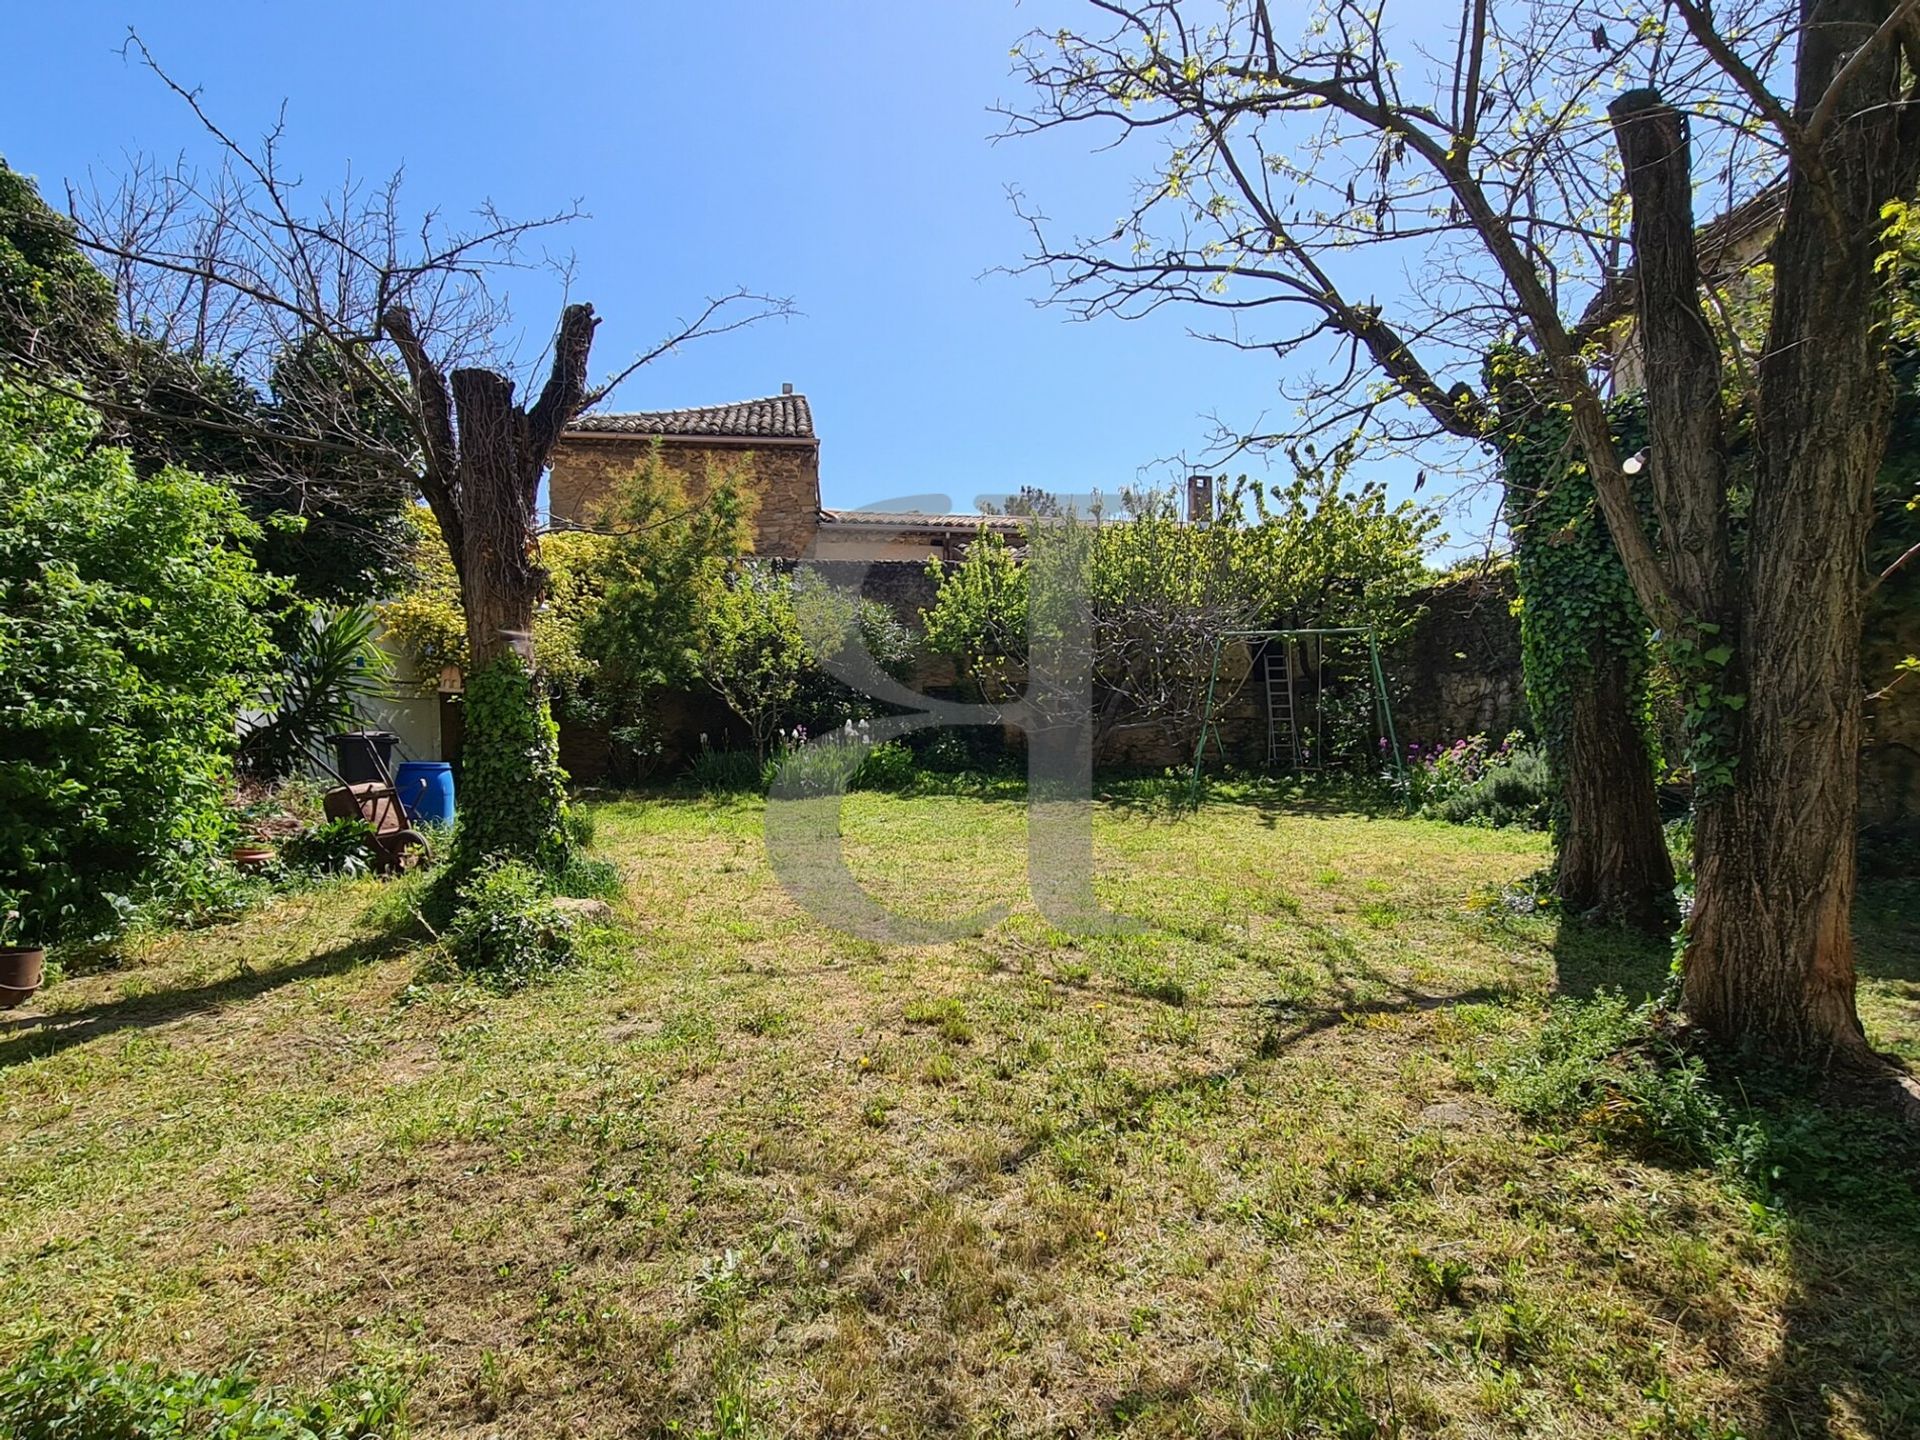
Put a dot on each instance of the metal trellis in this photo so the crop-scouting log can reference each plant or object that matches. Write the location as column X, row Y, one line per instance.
column 1383, row 709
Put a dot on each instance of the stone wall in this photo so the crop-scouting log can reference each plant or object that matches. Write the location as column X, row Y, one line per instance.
column 1458, row 672
column 785, row 478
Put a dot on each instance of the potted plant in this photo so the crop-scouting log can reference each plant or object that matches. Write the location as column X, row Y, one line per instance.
column 21, row 965
column 252, row 855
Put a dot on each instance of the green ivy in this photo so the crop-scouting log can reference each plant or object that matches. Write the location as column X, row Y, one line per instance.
column 513, row 801
column 1576, row 604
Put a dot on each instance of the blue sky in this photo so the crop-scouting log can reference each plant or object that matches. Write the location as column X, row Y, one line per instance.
column 837, row 153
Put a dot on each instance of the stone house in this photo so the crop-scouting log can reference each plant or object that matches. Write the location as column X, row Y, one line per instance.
column 771, row 443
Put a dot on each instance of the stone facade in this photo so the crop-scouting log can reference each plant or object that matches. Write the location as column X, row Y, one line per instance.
column 783, row 475
column 1458, row 672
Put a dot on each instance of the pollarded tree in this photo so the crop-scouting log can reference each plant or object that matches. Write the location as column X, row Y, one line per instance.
column 240, row 263
column 1508, row 162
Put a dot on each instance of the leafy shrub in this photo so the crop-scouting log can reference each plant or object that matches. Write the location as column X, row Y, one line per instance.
column 724, row 772
column 506, row 927
column 339, row 847
column 129, row 640
column 1474, row 782
column 948, row 751
column 1616, row 1070
column 888, row 766
column 56, row 1390
column 514, row 804
column 335, row 667
column 1606, row 1063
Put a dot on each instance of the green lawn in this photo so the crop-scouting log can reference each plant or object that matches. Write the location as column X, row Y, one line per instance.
column 1238, row 1172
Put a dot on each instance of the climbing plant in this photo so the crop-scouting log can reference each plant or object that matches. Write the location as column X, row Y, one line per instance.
column 1576, row 604
column 513, row 791
column 1587, row 652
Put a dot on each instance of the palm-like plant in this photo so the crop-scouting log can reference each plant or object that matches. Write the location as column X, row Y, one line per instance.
column 325, row 679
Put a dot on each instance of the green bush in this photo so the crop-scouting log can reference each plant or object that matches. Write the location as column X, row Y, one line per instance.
column 1473, row 782
column 724, row 772
column 1617, row 1071
column 130, row 638
column 506, row 927
column 339, row 847
column 59, row 1391
column 888, row 766
column 513, row 802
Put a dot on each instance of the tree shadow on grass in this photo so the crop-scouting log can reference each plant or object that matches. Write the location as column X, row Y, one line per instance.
column 1886, row 929
column 32, row 1037
column 1589, row 958
column 1850, row 1329
column 1836, row 1189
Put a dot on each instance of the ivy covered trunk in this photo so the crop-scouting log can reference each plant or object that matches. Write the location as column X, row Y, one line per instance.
column 1586, row 643
column 513, row 791
column 482, row 481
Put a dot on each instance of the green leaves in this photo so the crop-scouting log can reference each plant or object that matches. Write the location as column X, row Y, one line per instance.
column 513, row 801
column 130, row 638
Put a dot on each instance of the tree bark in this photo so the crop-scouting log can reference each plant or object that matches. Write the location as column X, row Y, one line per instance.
column 1769, row 958
column 483, row 481
column 1613, row 856
column 1769, row 961
column 500, row 575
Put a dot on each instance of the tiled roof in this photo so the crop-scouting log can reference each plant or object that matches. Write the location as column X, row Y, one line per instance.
column 774, row 417
column 914, row 520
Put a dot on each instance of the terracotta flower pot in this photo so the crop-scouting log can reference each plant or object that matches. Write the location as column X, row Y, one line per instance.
column 20, row 975
column 252, row 857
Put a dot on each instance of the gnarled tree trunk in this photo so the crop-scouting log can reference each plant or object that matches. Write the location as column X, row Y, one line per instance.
column 484, row 458
column 1613, row 856
column 500, row 575
column 1769, row 958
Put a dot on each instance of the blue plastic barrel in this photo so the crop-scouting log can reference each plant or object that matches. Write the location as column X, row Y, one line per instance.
column 426, row 789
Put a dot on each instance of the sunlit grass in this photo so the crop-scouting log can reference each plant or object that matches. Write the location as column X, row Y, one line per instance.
column 1228, row 1171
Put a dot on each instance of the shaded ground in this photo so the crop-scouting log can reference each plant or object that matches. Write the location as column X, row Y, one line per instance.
column 1229, row 1174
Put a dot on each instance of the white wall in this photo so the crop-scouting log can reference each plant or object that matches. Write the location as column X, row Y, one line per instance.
column 408, row 711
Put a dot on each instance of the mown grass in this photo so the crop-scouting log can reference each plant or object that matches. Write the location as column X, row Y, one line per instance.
column 1264, row 1164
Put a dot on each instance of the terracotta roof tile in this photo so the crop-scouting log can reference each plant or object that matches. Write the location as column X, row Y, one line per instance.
column 773, row 417
column 915, row 520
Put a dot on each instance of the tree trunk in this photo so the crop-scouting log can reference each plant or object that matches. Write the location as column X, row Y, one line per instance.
column 1769, row 959
column 500, row 574
column 1613, row 856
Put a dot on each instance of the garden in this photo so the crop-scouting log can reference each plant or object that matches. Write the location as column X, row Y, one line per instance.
column 1351, row 1136
column 1060, row 1004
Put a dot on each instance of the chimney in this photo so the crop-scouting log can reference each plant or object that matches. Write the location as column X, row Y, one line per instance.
column 787, row 388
